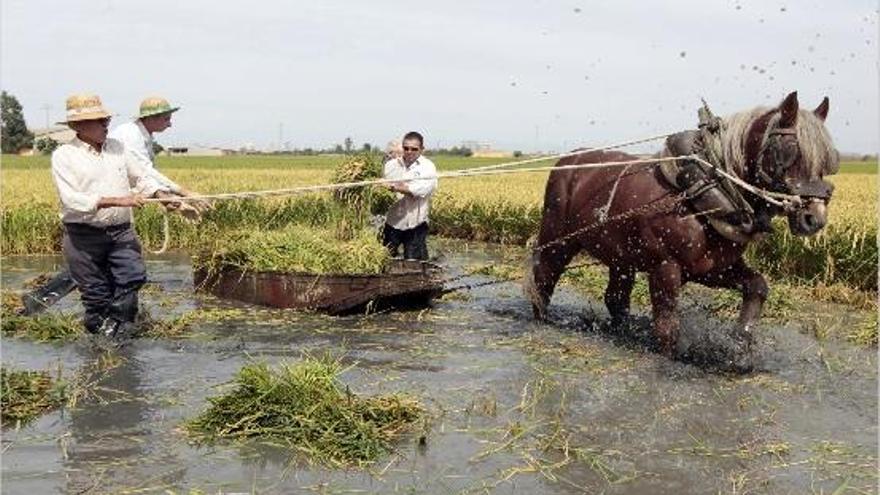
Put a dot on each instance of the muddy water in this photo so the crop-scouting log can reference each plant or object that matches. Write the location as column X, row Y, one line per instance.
column 516, row 406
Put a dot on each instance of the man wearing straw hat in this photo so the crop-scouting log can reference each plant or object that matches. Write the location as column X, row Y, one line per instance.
column 94, row 178
column 137, row 137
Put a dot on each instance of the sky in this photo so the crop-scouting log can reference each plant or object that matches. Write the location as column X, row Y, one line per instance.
column 519, row 75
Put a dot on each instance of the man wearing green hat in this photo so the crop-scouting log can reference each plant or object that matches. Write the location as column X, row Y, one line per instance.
column 137, row 136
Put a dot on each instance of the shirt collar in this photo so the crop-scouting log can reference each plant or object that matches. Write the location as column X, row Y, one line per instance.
column 143, row 129
column 79, row 143
column 416, row 162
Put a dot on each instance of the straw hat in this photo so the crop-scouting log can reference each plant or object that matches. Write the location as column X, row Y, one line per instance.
column 85, row 107
column 155, row 105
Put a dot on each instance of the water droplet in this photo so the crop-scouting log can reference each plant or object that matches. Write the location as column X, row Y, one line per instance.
column 682, row 54
column 782, row 9
column 577, row 10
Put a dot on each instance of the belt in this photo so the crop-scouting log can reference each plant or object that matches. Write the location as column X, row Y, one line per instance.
column 84, row 227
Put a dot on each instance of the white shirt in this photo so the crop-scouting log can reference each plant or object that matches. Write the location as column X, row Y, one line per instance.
column 139, row 147
column 411, row 209
column 84, row 176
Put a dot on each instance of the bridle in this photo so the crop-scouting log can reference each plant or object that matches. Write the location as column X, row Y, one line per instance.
column 778, row 153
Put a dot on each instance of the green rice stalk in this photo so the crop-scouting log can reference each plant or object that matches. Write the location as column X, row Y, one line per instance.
column 294, row 249
column 305, row 406
column 25, row 395
column 42, row 327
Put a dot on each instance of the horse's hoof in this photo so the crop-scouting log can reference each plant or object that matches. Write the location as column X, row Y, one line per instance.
column 743, row 364
column 540, row 314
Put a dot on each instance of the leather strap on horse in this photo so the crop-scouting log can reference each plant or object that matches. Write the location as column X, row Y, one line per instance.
column 661, row 205
column 709, row 146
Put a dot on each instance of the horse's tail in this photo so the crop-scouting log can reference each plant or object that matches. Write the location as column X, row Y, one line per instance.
column 530, row 288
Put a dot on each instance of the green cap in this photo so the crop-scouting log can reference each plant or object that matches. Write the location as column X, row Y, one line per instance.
column 155, row 105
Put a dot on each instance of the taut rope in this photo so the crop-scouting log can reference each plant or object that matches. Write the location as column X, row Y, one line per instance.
column 783, row 200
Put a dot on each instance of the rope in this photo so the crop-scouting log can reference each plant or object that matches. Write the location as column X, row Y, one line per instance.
column 166, row 235
column 785, row 200
column 446, row 175
column 573, row 153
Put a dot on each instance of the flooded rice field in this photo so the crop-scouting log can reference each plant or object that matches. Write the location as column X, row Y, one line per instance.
column 514, row 406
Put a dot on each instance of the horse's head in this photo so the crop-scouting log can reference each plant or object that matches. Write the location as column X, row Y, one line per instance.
column 794, row 157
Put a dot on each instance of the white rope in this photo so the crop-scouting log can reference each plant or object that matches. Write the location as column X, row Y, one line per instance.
column 446, row 175
column 166, row 235
column 785, row 200
column 573, row 153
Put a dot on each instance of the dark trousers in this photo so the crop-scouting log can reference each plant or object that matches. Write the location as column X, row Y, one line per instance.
column 108, row 268
column 414, row 240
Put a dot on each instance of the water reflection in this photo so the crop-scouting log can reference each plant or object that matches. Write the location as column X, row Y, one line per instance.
column 112, row 425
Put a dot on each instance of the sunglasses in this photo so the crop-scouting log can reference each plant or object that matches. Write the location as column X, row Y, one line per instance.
column 411, row 148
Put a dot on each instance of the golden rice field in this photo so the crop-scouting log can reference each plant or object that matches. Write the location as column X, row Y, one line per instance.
column 495, row 208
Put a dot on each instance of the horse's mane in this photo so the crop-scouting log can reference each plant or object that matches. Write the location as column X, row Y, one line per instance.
column 818, row 155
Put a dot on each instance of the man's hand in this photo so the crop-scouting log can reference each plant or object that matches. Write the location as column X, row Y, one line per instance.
column 168, row 200
column 398, row 187
column 133, row 201
column 201, row 205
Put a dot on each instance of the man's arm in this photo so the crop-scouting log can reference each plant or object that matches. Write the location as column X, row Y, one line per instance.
column 136, row 151
column 140, row 179
column 421, row 188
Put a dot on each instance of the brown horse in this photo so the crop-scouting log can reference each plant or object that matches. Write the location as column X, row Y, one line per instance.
column 782, row 149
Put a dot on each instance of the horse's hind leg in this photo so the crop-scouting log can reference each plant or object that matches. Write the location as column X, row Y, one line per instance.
column 664, row 283
column 619, row 292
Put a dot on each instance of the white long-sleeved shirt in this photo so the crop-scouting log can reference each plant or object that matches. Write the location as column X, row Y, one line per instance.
column 139, row 147
column 84, row 176
column 411, row 209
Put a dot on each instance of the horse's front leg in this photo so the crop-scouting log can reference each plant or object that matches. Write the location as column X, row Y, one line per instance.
column 664, row 283
column 544, row 269
column 754, row 291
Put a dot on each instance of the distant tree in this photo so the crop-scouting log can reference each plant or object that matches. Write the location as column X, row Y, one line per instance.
column 367, row 147
column 348, row 144
column 157, row 148
column 338, row 149
column 517, row 154
column 46, row 145
column 14, row 134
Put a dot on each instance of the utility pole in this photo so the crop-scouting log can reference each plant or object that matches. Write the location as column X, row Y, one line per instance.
column 537, row 137
column 46, row 109
column 280, row 135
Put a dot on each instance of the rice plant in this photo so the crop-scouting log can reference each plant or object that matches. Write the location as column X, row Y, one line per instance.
column 305, row 406
column 25, row 395
column 293, row 249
